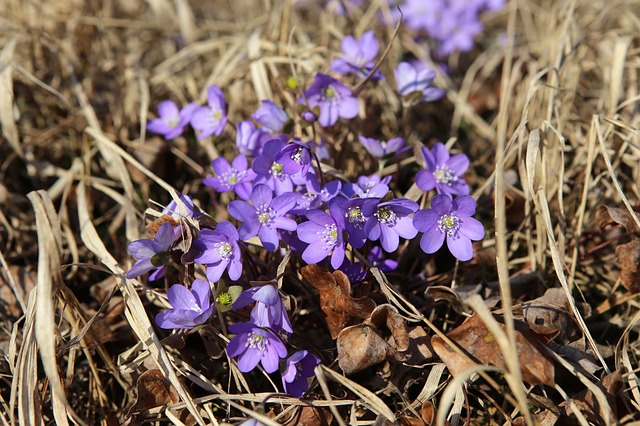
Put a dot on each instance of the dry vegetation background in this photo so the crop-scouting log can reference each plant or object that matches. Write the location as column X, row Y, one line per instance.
column 549, row 120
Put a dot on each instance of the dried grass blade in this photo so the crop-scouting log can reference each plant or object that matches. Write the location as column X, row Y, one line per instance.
column 48, row 277
column 9, row 128
column 369, row 399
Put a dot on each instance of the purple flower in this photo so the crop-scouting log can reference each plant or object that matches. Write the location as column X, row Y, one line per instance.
column 249, row 139
column 314, row 195
column 353, row 271
column 219, row 250
column 389, row 221
column 295, row 157
column 152, row 254
column 300, row 366
column 323, row 233
column 235, row 176
column 381, row 149
column 355, row 220
column 186, row 210
column 333, row 98
column 270, row 116
column 265, row 216
column 368, row 187
column 410, row 80
column 269, row 310
column 376, row 258
column 171, row 121
column 456, row 31
column 253, row 345
column 210, row 120
column 270, row 172
column 358, row 56
column 188, row 308
column 442, row 171
column 450, row 218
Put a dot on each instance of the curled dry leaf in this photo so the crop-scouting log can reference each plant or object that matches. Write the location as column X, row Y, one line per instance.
column 361, row 346
column 480, row 346
column 154, row 390
column 551, row 310
column 606, row 215
column 628, row 256
column 336, row 302
column 454, row 297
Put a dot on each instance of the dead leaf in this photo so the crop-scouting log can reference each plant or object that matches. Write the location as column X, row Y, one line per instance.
column 606, row 215
column 473, row 337
column 361, row 346
column 628, row 256
column 153, row 391
column 336, row 302
column 551, row 310
column 311, row 416
column 455, row 298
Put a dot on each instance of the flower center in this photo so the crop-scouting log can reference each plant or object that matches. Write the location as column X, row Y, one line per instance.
column 276, row 169
column 448, row 224
column 173, row 122
column 224, row 299
column 256, row 341
column 265, row 214
column 231, row 178
column 297, row 155
column 216, row 115
column 160, row 259
column 329, row 93
column 224, row 249
column 386, row 216
column 330, row 235
column 444, row 175
column 355, row 217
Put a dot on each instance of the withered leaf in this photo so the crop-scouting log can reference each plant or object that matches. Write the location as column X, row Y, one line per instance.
column 628, row 256
column 606, row 215
column 311, row 416
column 153, row 391
column 473, row 337
column 551, row 310
column 361, row 346
column 336, row 302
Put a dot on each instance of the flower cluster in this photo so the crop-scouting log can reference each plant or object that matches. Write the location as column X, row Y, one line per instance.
column 282, row 199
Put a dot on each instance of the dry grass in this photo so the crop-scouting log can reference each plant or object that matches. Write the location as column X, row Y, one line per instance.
column 549, row 119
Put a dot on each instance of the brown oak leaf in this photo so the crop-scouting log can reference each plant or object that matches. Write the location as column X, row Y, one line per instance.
column 480, row 346
column 154, row 390
column 336, row 302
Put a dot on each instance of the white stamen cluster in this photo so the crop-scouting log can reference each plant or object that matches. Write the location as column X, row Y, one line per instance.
column 265, row 214
column 329, row 235
column 224, row 249
column 448, row 224
column 256, row 341
column 444, row 175
column 230, row 178
column 297, row 155
column 386, row 216
column 355, row 217
column 276, row 170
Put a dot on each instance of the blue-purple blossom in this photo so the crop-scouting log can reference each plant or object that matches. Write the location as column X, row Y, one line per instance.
column 295, row 158
column 443, row 171
column 269, row 310
column 189, row 308
column 271, row 117
column 152, row 254
column 211, row 119
column 315, row 196
column 264, row 216
column 451, row 219
column 323, row 233
column 333, row 98
column 270, row 172
column 411, row 79
column 249, row 138
column 229, row 177
column 299, row 367
column 357, row 56
column 377, row 260
column 254, row 345
column 368, row 187
column 381, row 149
column 171, row 120
column 389, row 220
column 354, row 220
column 353, row 271
column 186, row 209
column 219, row 250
